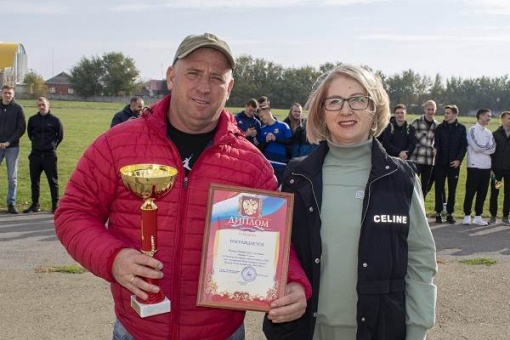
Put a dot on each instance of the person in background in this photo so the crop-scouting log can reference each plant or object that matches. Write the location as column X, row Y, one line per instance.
column 131, row 111
column 450, row 143
column 481, row 145
column 247, row 122
column 264, row 101
column 374, row 279
column 297, row 123
column 399, row 137
column 191, row 131
column 46, row 132
column 12, row 127
column 423, row 155
column 273, row 140
column 501, row 169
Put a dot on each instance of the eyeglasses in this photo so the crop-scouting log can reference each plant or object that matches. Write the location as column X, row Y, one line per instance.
column 355, row 103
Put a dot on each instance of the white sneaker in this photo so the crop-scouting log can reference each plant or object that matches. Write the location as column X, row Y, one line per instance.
column 466, row 220
column 479, row 220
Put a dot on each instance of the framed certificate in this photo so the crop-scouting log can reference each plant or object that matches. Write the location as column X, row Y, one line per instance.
column 245, row 253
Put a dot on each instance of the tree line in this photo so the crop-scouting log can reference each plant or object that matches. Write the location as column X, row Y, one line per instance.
column 255, row 77
column 114, row 74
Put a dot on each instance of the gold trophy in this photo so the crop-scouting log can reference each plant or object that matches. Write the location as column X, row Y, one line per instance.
column 149, row 181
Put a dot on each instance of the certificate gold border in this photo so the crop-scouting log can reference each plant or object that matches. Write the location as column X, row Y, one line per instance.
column 244, row 300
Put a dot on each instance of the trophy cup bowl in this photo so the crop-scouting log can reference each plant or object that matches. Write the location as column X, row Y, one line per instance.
column 148, row 182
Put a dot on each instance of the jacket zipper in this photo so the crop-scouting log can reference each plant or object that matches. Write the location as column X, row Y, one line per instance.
column 176, row 274
column 313, row 190
column 370, row 193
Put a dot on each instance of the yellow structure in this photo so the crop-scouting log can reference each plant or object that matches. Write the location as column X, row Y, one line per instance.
column 13, row 63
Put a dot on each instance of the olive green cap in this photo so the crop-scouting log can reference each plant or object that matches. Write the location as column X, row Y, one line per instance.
column 193, row 42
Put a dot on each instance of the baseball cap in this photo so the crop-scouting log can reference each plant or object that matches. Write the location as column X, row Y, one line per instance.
column 193, row 42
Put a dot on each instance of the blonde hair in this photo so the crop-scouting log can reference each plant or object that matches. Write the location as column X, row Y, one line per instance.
column 503, row 114
column 316, row 126
column 429, row 102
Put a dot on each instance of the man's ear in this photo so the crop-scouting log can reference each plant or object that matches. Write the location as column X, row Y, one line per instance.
column 230, row 87
column 170, row 75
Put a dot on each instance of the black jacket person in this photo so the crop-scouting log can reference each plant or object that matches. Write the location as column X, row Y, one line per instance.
column 359, row 226
column 46, row 132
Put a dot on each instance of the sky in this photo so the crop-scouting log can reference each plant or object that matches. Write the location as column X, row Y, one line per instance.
column 460, row 38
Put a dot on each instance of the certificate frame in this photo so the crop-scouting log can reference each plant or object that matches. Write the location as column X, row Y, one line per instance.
column 246, row 246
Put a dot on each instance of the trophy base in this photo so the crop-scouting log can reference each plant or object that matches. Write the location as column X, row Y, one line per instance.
column 145, row 310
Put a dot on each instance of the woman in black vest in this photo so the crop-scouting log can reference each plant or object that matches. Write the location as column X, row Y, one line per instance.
column 359, row 224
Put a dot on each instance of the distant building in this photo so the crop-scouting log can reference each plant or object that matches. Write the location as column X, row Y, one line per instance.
column 153, row 88
column 60, row 84
column 157, row 87
column 13, row 63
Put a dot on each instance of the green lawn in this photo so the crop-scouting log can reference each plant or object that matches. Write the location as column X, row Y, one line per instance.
column 85, row 121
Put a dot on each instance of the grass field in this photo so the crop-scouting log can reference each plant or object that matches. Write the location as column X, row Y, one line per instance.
column 85, row 121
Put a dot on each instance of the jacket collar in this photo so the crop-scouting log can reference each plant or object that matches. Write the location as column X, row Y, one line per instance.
column 395, row 124
column 454, row 123
column 46, row 115
column 381, row 162
column 501, row 129
column 311, row 166
column 422, row 119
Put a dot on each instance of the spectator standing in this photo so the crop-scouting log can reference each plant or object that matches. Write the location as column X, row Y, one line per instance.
column 247, row 122
column 359, row 223
column 12, row 127
column 131, row 111
column 399, row 137
column 450, row 143
column 501, row 168
column 297, row 123
column 423, row 155
column 264, row 101
column 273, row 141
column 481, row 145
column 46, row 132
column 189, row 124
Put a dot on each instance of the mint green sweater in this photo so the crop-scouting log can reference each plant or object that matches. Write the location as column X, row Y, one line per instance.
column 345, row 174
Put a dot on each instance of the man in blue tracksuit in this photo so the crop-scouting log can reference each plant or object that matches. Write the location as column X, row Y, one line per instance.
column 273, row 140
column 247, row 122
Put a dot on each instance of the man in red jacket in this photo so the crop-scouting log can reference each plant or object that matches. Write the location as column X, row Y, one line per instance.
column 190, row 131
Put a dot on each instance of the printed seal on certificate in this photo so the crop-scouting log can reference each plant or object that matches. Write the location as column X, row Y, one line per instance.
column 249, row 274
column 246, row 248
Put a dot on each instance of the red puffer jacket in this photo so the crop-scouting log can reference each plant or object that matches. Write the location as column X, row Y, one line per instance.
column 95, row 196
